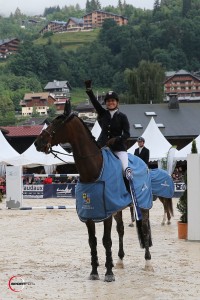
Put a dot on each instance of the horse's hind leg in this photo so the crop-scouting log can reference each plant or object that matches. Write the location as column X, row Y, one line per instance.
column 93, row 246
column 162, row 200
column 120, row 230
column 146, row 230
column 132, row 216
column 107, row 242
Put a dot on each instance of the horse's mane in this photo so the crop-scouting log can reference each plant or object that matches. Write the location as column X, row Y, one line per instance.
column 88, row 130
column 63, row 117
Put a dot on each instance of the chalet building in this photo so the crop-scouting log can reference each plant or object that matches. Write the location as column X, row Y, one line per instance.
column 8, row 46
column 89, row 21
column 97, row 17
column 184, row 84
column 58, row 89
column 60, row 105
column 38, row 101
column 75, row 24
column 86, row 111
column 54, row 26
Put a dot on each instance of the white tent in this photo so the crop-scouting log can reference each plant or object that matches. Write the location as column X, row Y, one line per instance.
column 7, row 151
column 154, row 141
column 182, row 154
column 32, row 158
column 96, row 130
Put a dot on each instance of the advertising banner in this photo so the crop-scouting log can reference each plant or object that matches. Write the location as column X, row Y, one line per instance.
column 39, row 191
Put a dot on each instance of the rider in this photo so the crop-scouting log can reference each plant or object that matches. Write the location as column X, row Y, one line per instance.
column 115, row 128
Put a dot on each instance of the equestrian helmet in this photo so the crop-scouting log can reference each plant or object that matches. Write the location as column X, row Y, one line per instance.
column 111, row 95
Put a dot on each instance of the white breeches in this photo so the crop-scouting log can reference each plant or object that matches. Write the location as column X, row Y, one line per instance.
column 123, row 156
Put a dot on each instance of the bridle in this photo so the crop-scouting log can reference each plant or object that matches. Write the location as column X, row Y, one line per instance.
column 53, row 132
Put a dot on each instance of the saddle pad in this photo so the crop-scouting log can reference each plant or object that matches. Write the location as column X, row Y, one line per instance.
column 141, row 181
column 90, row 201
column 107, row 195
column 162, row 183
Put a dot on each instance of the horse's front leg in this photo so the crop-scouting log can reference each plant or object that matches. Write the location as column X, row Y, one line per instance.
column 107, row 242
column 146, row 229
column 120, row 230
column 93, row 246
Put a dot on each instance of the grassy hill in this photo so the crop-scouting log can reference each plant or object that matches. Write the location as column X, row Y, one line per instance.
column 79, row 95
column 70, row 40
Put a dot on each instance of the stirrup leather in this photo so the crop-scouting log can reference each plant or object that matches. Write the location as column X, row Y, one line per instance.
column 129, row 176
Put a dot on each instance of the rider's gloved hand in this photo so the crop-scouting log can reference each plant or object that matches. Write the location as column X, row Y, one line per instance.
column 111, row 142
column 88, row 84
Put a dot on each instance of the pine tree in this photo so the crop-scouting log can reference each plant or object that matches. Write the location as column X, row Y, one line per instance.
column 194, row 147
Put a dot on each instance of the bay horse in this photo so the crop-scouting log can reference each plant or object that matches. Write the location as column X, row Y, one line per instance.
column 168, row 210
column 69, row 128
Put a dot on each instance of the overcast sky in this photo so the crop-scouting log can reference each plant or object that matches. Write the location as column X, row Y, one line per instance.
column 32, row 7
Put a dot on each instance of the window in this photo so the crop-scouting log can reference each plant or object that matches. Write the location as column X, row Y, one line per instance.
column 150, row 113
column 160, row 125
column 137, row 126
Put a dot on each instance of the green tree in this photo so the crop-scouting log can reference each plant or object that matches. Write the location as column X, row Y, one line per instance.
column 194, row 147
column 146, row 82
column 186, row 7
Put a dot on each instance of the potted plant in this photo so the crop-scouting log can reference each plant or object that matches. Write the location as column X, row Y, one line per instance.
column 182, row 208
column 182, row 204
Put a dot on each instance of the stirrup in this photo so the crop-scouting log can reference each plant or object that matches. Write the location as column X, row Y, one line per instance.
column 129, row 173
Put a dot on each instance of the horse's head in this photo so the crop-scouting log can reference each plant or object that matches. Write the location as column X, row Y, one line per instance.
column 53, row 134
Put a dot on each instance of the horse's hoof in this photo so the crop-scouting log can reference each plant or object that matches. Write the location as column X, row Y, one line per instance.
column 119, row 264
column 131, row 225
column 148, row 266
column 94, row 277
column 163, row 223
column 109, row 278
column 168, row 223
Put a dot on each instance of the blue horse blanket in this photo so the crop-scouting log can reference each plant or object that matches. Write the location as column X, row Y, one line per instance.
column 100, row 199
column 162, row 183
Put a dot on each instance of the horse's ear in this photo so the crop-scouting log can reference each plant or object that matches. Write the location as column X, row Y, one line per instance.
column 67, row 109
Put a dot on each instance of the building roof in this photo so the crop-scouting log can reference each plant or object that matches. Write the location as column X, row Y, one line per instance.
column 24, row 131
column 5, row 41
column 36, row 121
column 56, row 84
column 76, row 21
column 180, row 73
column 4, row 131
column 58, row 22
column 30, row 96
column 174, row 123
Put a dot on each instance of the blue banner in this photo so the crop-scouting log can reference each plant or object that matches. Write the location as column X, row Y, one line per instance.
column 39, row 191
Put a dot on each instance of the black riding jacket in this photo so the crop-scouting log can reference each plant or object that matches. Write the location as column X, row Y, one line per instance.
column 116, row 127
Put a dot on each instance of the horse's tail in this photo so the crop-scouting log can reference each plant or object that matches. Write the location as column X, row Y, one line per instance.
column 144, row 233
column 170, row 206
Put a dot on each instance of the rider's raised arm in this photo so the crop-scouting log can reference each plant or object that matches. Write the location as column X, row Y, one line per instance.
column 93, row 98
